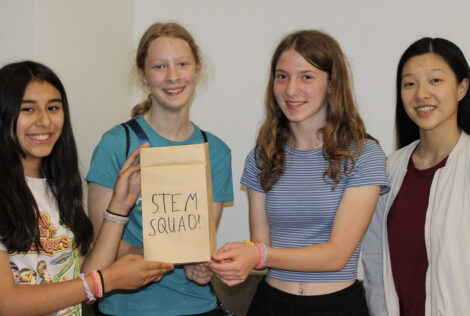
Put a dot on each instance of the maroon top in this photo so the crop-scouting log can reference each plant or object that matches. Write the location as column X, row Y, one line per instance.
column 405, row 225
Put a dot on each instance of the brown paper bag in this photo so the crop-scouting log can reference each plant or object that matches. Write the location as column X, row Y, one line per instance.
column 177, row 206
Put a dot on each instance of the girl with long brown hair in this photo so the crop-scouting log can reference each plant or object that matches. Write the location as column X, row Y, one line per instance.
column 313, row 180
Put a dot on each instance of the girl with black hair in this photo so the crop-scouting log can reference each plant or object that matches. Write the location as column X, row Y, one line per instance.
column 416, row 248
column 41, row 211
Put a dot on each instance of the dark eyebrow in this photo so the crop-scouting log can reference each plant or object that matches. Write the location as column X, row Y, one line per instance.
column 28, row 101
column 427, row 71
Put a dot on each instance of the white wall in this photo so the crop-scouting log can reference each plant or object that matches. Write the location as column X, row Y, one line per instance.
column 88, row 44
column 238, row 38
column 17, row 30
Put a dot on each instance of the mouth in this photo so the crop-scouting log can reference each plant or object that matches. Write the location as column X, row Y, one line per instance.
column 294, row 105
column 425, row 110
column 173, row 91
column 40, row 138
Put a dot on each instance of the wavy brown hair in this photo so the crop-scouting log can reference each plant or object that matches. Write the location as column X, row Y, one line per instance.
column 155, row 31
column 343, row 128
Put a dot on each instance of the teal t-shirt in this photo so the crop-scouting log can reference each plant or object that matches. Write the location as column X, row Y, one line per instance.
column 174, row 294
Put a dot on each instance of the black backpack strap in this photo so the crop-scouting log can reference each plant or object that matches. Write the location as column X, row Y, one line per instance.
column 127, row 137
column 204, row 135
column 138, row 131
column 143, row 138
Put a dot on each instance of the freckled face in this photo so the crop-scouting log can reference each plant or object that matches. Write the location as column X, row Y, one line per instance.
column 301, row 89
column 430, row 92
column 40, row 121
column 171, row 72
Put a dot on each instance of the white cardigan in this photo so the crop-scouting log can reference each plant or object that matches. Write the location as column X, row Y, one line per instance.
column 447, row 237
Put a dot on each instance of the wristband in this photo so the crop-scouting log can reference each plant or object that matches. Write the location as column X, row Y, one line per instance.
column 97, row 284
column 263, row 253
column 115, row 218
column 102, row 280
column 91, row 298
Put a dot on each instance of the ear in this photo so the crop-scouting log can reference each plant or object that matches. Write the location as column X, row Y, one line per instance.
column 329, row 87
column 462, row 89
column 142, row 77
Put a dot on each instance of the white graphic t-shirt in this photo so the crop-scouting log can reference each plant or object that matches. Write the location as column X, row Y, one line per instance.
column 57, row 261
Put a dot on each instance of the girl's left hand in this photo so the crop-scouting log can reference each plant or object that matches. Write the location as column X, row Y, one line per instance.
column 234, row 261
column 198, row 273
column 127, row 188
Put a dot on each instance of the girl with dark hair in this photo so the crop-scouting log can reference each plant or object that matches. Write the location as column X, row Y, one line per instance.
column 168, row 63
column 416, row 248
column 41, row 213
column 313, row 180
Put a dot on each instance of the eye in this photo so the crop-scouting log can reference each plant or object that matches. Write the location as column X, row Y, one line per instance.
column 408, row 84
column 281, row 76
column 182, row 64
column 307, row 77
column 53, row 107
column 158, row 67
column 26, row 109
column 436, row 80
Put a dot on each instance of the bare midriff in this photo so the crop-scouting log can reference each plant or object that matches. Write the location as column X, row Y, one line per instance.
column 308, row 288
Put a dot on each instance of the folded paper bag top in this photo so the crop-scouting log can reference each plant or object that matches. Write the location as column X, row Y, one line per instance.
column 177, row 206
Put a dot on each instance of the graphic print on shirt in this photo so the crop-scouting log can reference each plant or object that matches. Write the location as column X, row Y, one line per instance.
column 43, row 273
column 15, row 271
column 51, row 245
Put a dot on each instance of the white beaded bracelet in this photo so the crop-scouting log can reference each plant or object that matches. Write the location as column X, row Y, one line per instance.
column 91, row 298
column 115, row 218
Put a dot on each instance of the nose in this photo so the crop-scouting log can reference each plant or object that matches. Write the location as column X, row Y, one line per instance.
column 422, row 91
column 42, row 118
column 291, row 89
column 173, row 74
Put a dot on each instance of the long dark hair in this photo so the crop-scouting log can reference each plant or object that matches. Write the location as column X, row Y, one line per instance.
column 406, row 130
column 19, row 212
column 343, row 126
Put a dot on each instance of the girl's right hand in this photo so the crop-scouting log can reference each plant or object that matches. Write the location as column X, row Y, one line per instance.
column 234, row 261
column 132, row 272
column 127, row 187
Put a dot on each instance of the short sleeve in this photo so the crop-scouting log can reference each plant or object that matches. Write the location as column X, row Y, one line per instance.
column 250, row 176
column 370, row 168
column 108, row 157
column 221, row 169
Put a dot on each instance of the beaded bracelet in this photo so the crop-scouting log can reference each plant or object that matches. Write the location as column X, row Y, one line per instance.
column 97, row 283
column 115, row 218
column 102, row 280
column 91, row 298
column 263, row 253
column 248, row 242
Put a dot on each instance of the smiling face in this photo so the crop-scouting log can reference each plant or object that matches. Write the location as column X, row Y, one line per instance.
column 171, row 72
column 301, row 90
column 430, row 92
column 39, row 124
